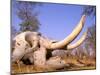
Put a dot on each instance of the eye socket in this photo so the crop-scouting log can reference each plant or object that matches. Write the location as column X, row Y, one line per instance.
column 25, row 48
column 18, row 43
column 13, row 48
column 60, row 62
column 27, row 45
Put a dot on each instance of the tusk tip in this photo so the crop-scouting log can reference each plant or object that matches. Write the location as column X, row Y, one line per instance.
column 83, row 18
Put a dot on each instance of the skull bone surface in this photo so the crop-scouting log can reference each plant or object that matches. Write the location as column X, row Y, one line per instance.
column 24, row 43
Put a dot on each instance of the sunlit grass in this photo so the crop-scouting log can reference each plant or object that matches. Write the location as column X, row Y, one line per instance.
column 74, row 64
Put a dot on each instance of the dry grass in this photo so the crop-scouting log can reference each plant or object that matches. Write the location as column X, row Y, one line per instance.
column 74, row 64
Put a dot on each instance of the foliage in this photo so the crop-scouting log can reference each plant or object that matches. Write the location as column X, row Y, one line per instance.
column 14, row 31
column 92, row 34
column 90, row 42
column 27, row 13
column 89, row 10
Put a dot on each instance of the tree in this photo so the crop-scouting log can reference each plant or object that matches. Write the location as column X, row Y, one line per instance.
column 89, row 10
column 26, row 12
column 13, row 31
column 90, row 43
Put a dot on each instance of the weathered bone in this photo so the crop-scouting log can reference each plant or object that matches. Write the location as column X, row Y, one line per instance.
column 40, row 57
column 78, row 43
column 22, row 45
column 60, row 53
column 69, row 38
column 33, row 45
column 56, row 62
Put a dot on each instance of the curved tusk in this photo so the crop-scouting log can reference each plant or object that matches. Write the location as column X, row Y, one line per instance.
column 71, row 37
column 78, row 43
